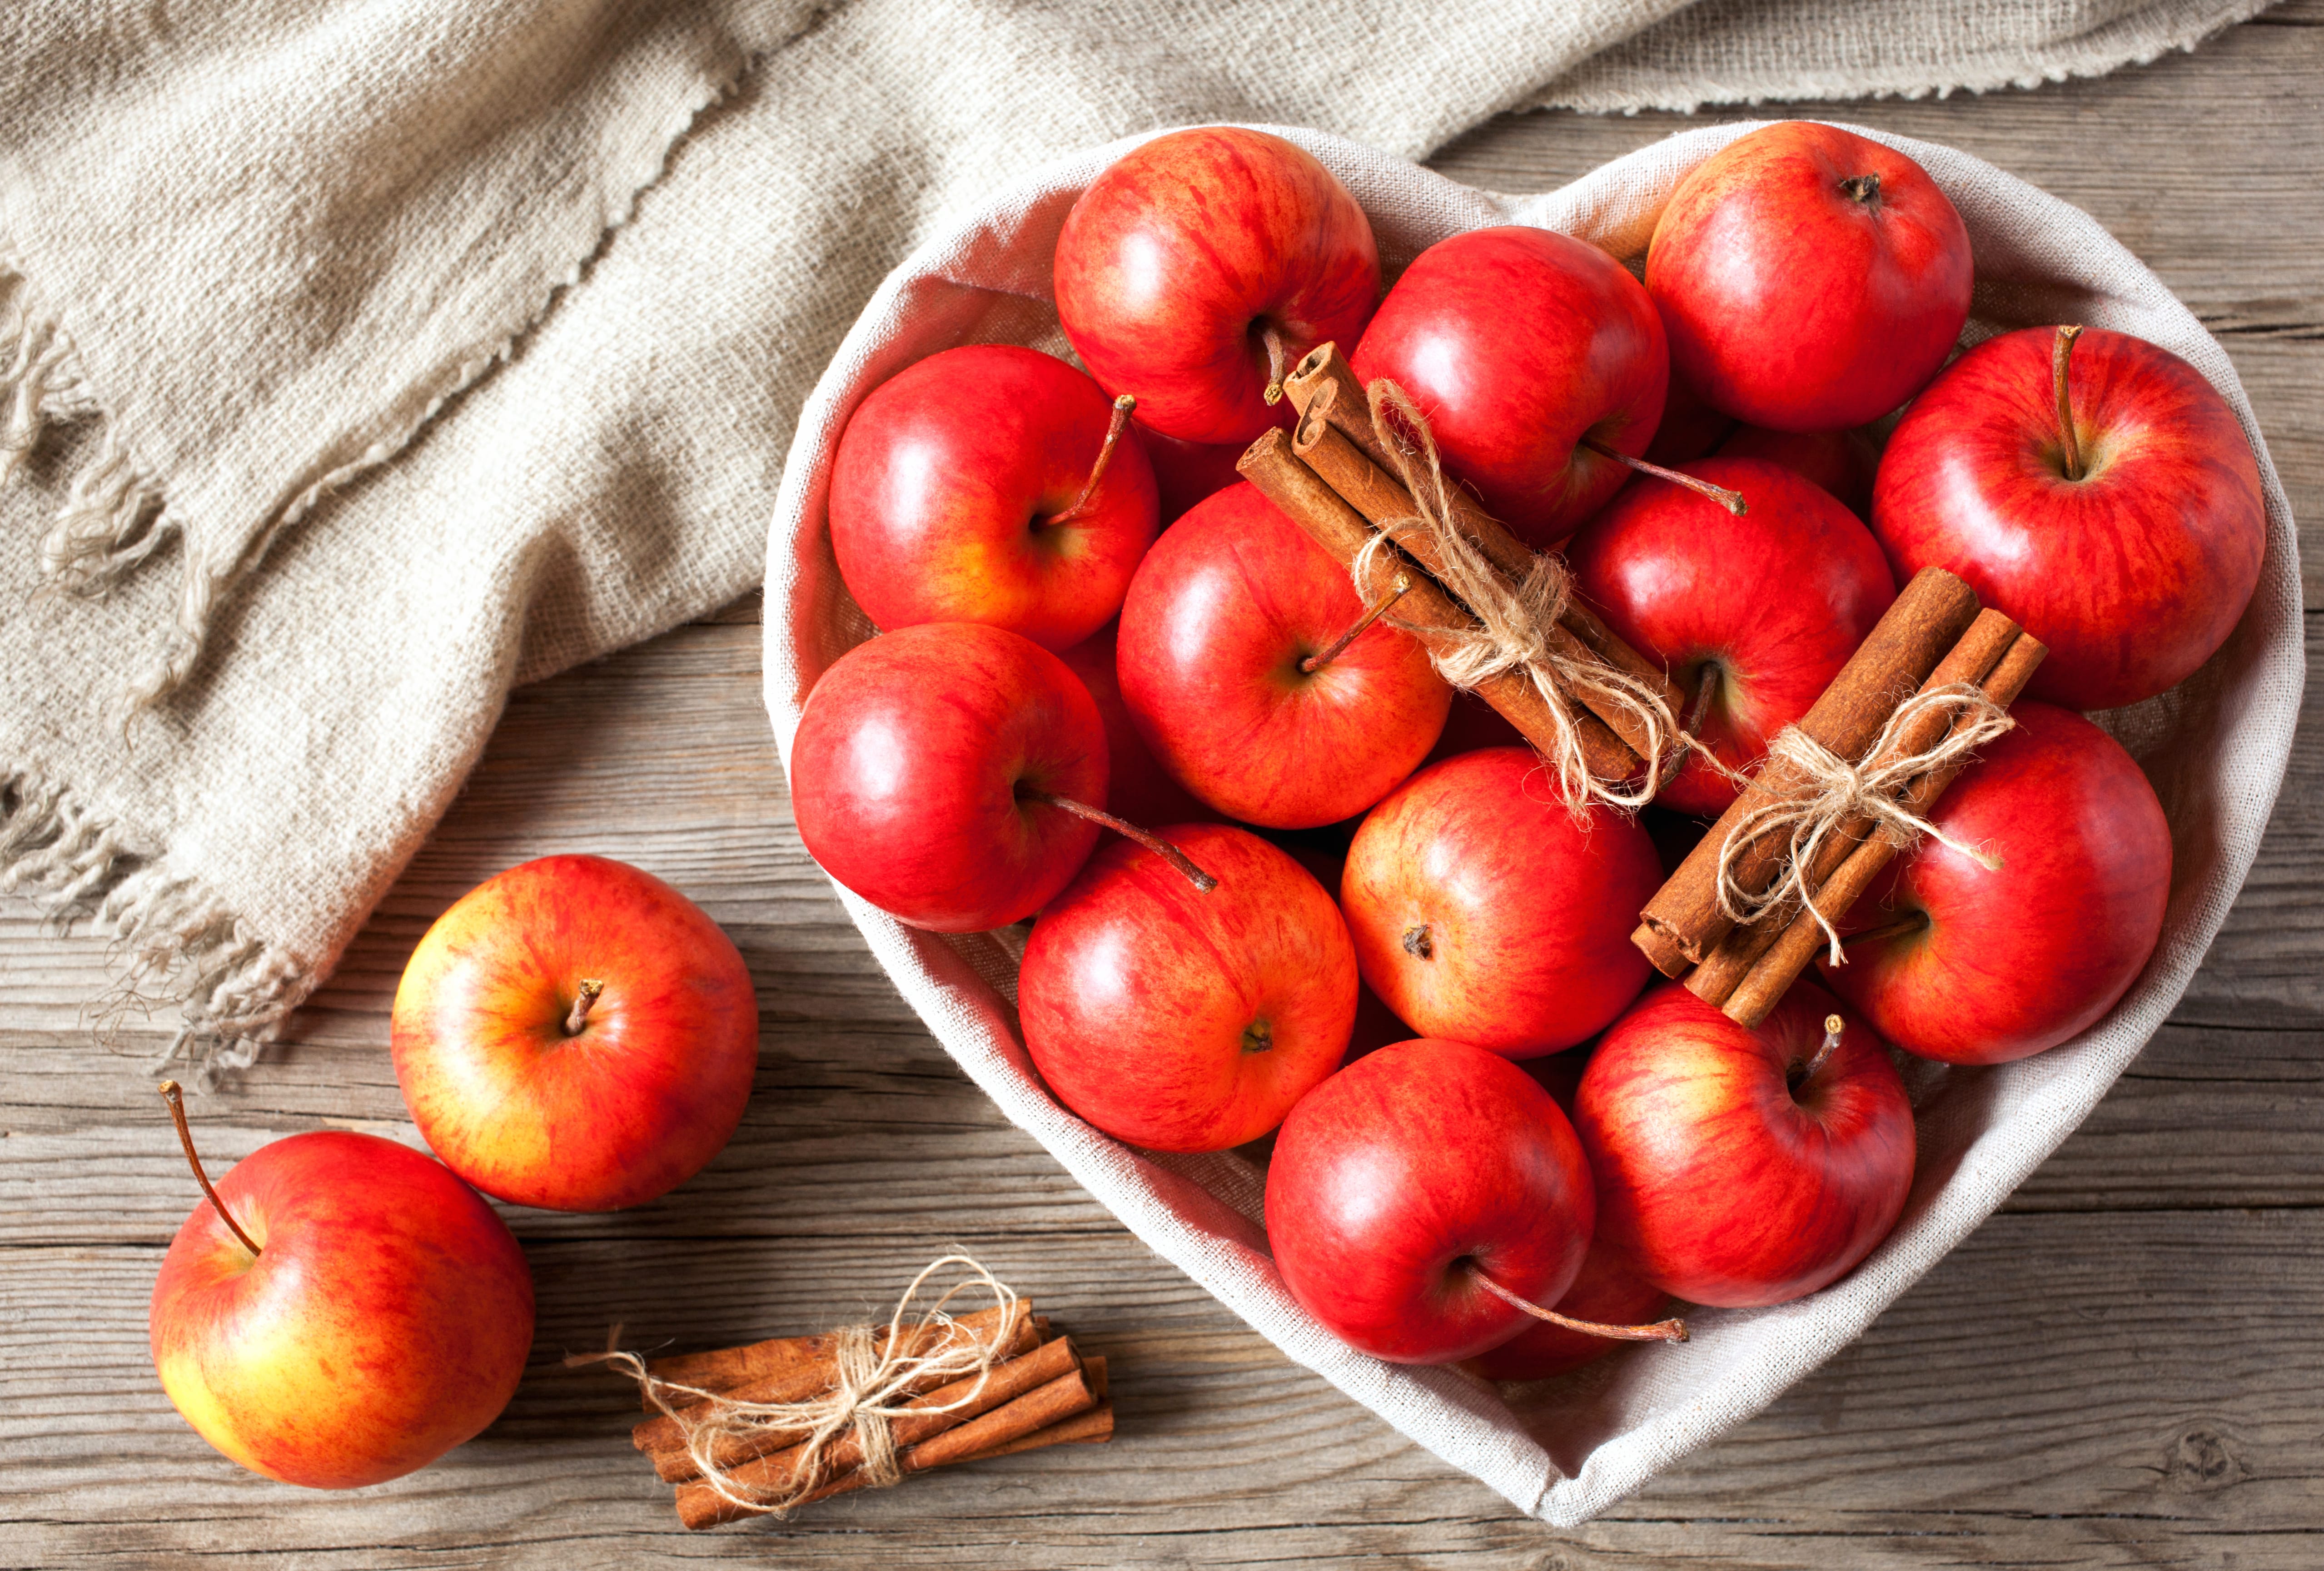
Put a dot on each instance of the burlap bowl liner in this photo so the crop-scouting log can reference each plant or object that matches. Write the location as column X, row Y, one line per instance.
column 1563, row 1450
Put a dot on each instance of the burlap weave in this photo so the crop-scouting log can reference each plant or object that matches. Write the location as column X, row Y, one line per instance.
column 2215, row 748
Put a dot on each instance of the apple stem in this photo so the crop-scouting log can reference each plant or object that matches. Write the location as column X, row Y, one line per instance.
column 584, row 993
column 1832, row 1027
column 1322, row 657
column 1912, row 922
column 1153, row 843
column 1732, row 500
column 1670, row 1330
column 1113, row 430
column 2058, row 357
column 1865, row 188
column 1274, row 342
column 1706, row 684
column 177, row 1101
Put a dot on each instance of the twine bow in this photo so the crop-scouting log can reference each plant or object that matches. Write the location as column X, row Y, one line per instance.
column 1513, row 621
column 870, row 1381
column 1837, row 790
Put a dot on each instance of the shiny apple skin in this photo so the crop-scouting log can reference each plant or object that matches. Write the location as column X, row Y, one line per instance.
column 1137, row 787
column 1184, row 472
column 1608, row 1290
column 1175, row 257
column 649, row 1089
column 1842, row 463
column 1777, row 600
column 386, row 1319
column 1220, row 614
column 944, row 481
column 2017, row 960
column 1517, row 344
column 1719, row 1183
column 1794, row 307
column 2132, row 575
column 1526, row 908
column 907, row 762
column 1399, row 1170
column 1145, row 1001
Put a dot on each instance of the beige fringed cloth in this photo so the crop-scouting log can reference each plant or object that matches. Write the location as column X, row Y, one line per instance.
column 359, row 361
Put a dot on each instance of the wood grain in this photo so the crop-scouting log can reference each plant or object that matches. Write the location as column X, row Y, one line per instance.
column 2118, row 1370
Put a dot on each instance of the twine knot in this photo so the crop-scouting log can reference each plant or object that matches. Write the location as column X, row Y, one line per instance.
column 1834, row 790
column 1513, row 621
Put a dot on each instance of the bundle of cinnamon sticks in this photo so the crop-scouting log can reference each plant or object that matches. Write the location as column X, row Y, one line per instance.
column 1039, row 1391
column 1934, row 636
column 1336, row 478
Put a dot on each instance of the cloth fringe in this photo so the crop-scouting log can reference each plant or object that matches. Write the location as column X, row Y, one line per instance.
column 175, row 942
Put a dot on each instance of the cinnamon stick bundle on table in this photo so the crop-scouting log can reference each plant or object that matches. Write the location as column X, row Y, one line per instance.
column 1039, row 1390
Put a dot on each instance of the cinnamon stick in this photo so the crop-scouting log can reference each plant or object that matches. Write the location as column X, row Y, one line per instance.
column 1970, row 661
column 1382, row 500
column 1019, row 1398
column 1303, row 497
column 1776, row 971
column 1682, row 924
column 1093, row 1428
column 780, row 1364
column 664, row 1440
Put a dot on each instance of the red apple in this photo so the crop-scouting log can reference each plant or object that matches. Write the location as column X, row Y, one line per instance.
column 1376, row 1025
column 1520, row 346
column 1608, row 1290
column 1184, row 472
column 1811, row 279
column 1842, row 463
column 2135, row 564
column 1753, row 615
column 575, row 1035
column 1401, row 1179
column 1180, row 263
column 1222, row 616
column 1975, row 965
column 916, row 767
column 1484, row 910
column 384, row 1319
column 957, row 496
column 1739, row 1166
column 1137, row 787
column 1181, row 1020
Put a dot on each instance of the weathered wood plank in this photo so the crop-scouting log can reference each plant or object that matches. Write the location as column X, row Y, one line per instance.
column 2116, row 1371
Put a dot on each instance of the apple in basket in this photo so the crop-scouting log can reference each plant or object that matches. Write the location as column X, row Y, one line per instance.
column 1198, row 267
column 339, row 1311
column 991, row 484
column 937, row 772
column 575, row 1035
column 1485, row 910
column 1842, row 463
column 1137, row 787
column 1738, row 1165
column 1185, row 1018
column 1811, row 278
column 1752, row 615
column 1423, row 1199
column 2101, row 492
column 2076, row 903
column 1538, row 360
column 1238, row 668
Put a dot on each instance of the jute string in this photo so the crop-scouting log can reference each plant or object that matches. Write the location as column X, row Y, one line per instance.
column 1513, row 621
column 1836, row 790
column 870, row 1386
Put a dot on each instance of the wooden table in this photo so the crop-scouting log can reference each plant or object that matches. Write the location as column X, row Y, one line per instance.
column 2120, row 1369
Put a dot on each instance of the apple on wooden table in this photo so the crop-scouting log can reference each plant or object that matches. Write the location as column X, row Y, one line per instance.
column 340, row 1310
column 575, row 1035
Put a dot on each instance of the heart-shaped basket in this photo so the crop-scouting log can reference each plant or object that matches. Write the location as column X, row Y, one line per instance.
column 1563, row 1450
